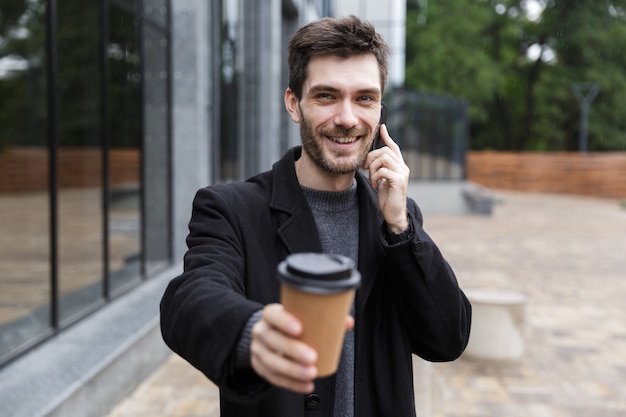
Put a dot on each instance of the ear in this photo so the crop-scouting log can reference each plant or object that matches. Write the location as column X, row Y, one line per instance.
column 291, row 104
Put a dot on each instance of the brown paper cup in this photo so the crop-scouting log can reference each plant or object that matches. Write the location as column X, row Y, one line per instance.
column 319, row 289
column 323, row 318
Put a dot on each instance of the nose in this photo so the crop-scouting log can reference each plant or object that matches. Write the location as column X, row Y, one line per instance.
column 345, row 115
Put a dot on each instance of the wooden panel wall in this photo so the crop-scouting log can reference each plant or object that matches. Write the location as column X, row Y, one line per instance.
column 26, row 169
column 591, row 174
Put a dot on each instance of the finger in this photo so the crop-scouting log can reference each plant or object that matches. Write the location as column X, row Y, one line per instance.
column 387, row 168
column 388, row 153
column 388, row 141
column 278, row 317
column 281, row 372
column 385, row 160
column 282, row 344
column 349, row 322
column 274, row 357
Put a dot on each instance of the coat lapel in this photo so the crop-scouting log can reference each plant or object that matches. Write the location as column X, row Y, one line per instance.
column 295, row 223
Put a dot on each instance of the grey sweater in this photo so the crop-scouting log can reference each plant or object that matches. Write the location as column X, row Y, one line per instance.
column 337, row 219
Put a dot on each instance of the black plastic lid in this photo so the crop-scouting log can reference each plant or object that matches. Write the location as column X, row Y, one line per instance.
column 319, row 272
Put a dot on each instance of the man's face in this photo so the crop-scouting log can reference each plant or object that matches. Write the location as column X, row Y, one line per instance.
column 339, row 111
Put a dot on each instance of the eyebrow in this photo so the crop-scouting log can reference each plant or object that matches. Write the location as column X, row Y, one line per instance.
column 322, row 87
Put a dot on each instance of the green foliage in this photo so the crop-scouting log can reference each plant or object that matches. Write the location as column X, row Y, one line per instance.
column 479, row 50
column 22, row 91
column 79, row 65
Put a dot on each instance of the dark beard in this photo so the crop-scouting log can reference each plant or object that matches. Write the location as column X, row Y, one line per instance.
column 313, row 148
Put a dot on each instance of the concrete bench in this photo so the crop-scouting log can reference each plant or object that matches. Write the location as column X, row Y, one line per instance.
column 479, row 199
column 498, row 321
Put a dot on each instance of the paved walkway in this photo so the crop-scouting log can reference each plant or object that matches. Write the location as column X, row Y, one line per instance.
column 568, row 254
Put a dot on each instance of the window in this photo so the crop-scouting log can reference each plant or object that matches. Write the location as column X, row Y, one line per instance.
column 85, row 133
column 25, row 226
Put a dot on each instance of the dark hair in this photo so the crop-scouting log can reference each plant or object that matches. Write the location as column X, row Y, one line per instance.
column 344, row 37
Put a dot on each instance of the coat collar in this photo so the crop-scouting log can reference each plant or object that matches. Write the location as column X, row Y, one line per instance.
column 296, row 225
column 285, row 184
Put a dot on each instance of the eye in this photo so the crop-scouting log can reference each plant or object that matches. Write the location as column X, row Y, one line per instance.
column 324, row 96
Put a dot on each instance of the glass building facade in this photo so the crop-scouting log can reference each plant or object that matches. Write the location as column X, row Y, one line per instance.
column 85, row 136
column 112, row 114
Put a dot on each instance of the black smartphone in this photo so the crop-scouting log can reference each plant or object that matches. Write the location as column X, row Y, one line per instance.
column 378, row 143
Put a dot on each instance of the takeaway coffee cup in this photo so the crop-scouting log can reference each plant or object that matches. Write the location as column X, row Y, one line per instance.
column 319, row 289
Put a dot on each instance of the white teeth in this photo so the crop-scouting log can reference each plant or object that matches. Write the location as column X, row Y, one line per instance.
column 343, row 140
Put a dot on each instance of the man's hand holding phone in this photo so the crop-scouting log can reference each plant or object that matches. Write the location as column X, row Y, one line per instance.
column 390, row 175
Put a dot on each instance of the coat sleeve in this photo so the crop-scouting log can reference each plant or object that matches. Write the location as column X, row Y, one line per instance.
column 435, row 311
column 204, row 310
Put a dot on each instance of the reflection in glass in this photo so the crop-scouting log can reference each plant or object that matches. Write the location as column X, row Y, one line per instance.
column 24, row 196
column 156, row 10
column 230, row 164
column 79, row 159
column 125, row 149
column 156, row 155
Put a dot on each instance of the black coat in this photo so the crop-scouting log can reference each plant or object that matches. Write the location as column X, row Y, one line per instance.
column 409, row 300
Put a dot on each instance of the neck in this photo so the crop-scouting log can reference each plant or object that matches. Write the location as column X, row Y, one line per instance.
column 312, row 176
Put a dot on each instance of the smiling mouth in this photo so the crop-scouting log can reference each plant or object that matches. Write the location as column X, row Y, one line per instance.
column 344, row 140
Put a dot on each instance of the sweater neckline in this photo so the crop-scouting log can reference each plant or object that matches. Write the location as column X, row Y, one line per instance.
column 332, row 201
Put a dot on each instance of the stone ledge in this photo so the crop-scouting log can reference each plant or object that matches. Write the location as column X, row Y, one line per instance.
column 87, row 369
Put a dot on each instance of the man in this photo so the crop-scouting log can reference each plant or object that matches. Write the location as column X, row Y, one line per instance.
column 223, row 313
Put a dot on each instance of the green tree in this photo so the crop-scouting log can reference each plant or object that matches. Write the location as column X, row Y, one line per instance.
column 517, row 72
column 23, row 92
column 22, row 79
column 590, row 43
